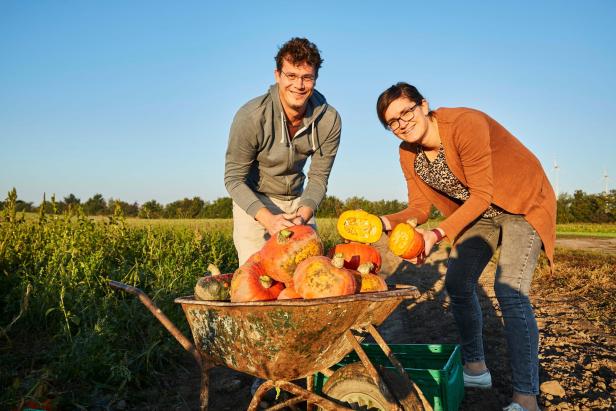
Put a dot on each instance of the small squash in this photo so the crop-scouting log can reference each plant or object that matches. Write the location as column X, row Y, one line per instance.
column 284, row 251
column 405, row 241
column 251, row 283
column 320, row 277
column 356, row 254
column 360, row 226
column 213, row 287
column 289, row 293
column 370, row 282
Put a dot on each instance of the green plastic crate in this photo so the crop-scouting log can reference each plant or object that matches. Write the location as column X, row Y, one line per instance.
column 435, row 368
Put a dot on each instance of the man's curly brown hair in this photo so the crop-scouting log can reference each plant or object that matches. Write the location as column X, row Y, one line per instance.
column 299, row 50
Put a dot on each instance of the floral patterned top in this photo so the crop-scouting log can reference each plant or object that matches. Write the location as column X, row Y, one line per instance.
column 438, row 176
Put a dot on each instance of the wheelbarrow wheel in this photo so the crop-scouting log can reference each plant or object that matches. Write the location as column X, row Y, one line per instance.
column 352, row 386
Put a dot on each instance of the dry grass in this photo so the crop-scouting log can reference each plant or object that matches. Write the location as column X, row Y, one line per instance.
column 588, row 278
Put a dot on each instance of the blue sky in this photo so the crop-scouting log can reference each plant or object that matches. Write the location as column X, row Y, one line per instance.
column 134, row 100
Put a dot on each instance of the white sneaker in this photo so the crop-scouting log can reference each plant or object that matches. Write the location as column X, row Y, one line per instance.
column 483, row 381
column 514, row 406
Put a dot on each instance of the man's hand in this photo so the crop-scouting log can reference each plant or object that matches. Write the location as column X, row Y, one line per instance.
column 301, row 216
column 273, row 222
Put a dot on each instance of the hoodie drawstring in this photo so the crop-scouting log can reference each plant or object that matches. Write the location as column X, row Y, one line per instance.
column 314, row 147
column 283, row 131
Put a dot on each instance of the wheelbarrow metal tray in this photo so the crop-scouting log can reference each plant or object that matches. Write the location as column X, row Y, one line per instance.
column 286, row 339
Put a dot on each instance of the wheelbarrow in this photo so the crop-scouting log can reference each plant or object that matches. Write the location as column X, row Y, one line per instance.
column 286, row 340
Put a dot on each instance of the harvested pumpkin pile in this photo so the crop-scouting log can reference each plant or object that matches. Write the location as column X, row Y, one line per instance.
column 292, row 264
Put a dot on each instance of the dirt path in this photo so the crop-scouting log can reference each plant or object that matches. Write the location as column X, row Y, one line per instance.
column 574, row 352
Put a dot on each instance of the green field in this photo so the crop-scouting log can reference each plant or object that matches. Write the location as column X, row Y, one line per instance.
column 65, row 333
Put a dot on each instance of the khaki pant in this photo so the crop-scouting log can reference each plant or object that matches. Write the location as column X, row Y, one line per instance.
column 249, row 235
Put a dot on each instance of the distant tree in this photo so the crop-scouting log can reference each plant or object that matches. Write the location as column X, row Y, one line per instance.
column 582, row 207
column 128, row 210
column 563, row 209
column 220, row 208
column 186, row 208
column 356, row 203
column 330, row 207
column 70, row 202
column 24, row 206
column 96, row 205
column 151, row 209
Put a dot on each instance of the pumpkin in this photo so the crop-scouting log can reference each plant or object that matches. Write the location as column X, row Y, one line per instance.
column 356, row 254
column 282, row 253
column 370, row 282
column 250, row 283
column 213, row 287
column 405, row 241
column 360, row 226
column 288, row 293
column 320, row 276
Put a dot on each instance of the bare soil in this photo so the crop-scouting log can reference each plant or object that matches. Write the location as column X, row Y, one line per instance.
column 576, row 353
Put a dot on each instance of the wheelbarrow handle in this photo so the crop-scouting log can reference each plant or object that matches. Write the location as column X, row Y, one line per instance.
column 160, row 316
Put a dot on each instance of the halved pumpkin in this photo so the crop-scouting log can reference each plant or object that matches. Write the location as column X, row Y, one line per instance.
column 360, row 226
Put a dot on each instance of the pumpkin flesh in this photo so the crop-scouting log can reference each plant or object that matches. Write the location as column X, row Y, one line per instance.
column 360, row 226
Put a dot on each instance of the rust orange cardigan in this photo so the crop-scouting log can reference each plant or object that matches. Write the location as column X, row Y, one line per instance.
column 494, row 166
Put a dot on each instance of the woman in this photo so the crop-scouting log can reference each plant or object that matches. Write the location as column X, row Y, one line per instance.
column 493, row 192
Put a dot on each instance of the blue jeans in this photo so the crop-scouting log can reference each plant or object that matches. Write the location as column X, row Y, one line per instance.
column 520, row 246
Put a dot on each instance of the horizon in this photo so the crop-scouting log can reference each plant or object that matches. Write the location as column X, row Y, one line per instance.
column 134, row 101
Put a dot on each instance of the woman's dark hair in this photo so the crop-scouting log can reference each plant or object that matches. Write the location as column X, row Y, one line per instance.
column 396, row 91
column 299, row 50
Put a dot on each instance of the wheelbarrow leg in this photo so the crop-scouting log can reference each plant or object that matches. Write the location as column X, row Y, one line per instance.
column 256, row 399
column 204, row 395
column 310, row 387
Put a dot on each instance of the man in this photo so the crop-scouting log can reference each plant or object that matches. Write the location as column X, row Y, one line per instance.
column 270, row 140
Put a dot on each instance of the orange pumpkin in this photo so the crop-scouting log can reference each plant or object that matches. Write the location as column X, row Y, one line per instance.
column 405, row 241
column 370, row 282
column 356, row 254
column 320, row 276
column 360, row 226
column 250, row 283
column 288, row 293
column 213, row 287
column 284, row 251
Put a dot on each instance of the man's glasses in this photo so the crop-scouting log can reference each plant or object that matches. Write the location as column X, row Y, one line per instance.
column 306, row 79
column 406, row 116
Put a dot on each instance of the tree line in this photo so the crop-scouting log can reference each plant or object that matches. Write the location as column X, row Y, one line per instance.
column 576, row 208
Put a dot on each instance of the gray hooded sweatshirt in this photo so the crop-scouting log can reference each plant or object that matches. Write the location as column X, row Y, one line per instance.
column 262, row 158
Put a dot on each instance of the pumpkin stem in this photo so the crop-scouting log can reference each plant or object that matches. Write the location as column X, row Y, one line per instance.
column 284, row 235
column 213, row 269
column 338, row 260
column 412, row 222
column 266, row 281
column 365, row 268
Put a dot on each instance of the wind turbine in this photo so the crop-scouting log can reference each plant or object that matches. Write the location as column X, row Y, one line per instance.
column 605, row 179
column 556, row 169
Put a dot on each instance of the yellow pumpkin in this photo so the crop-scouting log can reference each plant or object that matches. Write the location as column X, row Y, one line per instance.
column 360, row 226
